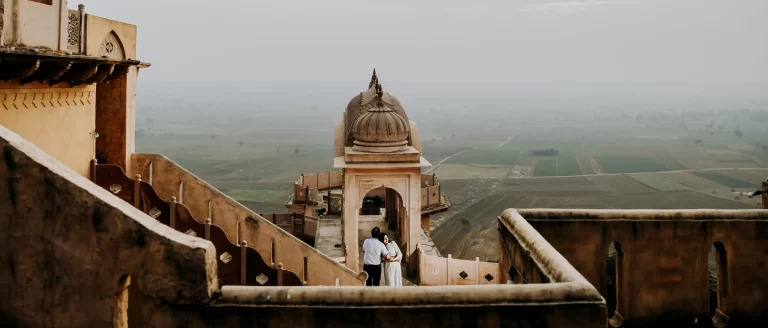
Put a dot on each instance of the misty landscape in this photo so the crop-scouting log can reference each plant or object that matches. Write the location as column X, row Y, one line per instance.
column 592, row 104
column 493, row 146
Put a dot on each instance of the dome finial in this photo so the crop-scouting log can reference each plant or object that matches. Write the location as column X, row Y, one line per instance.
column 379, row 90
column 374, row 79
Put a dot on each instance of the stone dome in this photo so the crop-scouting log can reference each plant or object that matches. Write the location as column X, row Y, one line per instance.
column 380, row 130
column 362, row 102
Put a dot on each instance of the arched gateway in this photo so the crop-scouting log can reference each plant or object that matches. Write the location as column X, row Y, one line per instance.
column 377, row 146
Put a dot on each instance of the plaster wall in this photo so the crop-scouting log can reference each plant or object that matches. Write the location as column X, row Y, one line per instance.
column 446, row 316
column 665, row 261
column 44, row 25
column 67, row 246
column 97, row 28
column 58, row 119
column 34, row 24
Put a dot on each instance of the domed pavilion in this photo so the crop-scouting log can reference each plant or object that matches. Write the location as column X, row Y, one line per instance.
column 377, row 148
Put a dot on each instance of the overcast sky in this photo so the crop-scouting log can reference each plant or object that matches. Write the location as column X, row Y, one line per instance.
column 518, row 41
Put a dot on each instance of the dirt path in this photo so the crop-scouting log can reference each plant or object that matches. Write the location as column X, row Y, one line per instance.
column 508, row 140
column 595, row 165
column 445, row 159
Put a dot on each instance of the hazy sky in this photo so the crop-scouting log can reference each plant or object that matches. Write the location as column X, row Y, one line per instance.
column 520, row 41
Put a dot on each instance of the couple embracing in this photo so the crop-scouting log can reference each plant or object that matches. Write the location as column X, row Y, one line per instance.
column 382, row 260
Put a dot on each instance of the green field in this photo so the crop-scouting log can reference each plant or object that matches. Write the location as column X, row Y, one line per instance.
column 725, row 180
column 628, row 164
column 567, row 165
column 545, row 168
column 666, row 159
column 262, row 195
column 486, row 156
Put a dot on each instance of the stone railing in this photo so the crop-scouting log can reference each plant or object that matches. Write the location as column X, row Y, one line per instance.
column 562, row 298
column 237, row 265
column 240, row 223
column 430, row 191
column 663, row 261
column 447, row 271
column 302, row 226
column 307, row 188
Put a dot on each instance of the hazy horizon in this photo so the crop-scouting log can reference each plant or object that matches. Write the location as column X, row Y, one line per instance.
column 687, row 44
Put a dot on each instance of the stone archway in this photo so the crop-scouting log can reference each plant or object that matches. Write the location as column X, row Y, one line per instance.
column 356, row 186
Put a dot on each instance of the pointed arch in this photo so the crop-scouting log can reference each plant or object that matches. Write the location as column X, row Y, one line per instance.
column 112, row 47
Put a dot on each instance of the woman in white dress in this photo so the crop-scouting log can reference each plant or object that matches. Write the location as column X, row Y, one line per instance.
column 392, row 275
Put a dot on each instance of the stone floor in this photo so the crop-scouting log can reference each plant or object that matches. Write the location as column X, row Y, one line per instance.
column 328, row 239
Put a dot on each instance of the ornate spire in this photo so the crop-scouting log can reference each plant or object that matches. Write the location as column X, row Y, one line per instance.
column 379, row 90
column 374, row 79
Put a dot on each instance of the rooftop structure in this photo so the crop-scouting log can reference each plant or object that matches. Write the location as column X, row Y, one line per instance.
column 96, row 234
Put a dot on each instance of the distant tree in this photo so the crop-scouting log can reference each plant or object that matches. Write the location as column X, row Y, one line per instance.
column 241, row 143
column 698, row 141
column 765, row 147
column 738, row 133
column 433, row 140
column 296, row 151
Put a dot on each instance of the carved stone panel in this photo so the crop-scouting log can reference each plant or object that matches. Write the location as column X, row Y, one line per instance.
column 73, row 31
column 111, row 47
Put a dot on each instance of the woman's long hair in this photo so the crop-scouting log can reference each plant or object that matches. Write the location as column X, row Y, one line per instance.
column 381, row 237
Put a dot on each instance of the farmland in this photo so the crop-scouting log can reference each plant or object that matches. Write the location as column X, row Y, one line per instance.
column 253, row 144
column 476, row 203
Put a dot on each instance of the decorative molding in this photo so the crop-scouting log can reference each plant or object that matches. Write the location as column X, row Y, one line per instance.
column 46, row 98
column 73, row 29
column 17, row 68
column 111, row 47
column 48, row 70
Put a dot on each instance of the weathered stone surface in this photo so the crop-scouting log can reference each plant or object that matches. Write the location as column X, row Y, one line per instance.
column 67, row 245
column 665, row 260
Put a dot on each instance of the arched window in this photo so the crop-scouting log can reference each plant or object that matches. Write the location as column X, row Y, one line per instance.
column 718, row 276
column 614, row 271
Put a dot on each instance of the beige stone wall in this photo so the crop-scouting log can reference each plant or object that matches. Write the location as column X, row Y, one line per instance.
column 44, row 25
column 98, row 28
column 67, row 247
column 35, row 24
column 59, row 119
column 665, row 259
column 240, row 223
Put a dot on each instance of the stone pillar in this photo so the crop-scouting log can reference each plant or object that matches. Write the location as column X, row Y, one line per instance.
column 116, row 120
column 393, row 206
column 414, row 220
column 350, row 221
